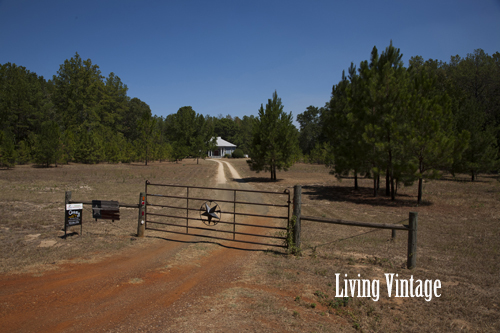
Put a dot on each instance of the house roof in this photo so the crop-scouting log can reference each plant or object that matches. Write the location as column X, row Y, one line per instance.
column 223, row 143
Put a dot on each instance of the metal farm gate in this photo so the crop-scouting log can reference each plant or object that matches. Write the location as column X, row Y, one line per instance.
column 213, row 212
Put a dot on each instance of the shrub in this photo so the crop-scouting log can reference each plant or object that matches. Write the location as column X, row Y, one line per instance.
column 238, row 153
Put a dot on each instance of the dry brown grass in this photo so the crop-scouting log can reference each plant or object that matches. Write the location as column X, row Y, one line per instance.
column 32, row 209
column 458, row 243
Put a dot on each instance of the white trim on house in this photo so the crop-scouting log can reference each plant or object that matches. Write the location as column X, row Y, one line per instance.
column 223, row 148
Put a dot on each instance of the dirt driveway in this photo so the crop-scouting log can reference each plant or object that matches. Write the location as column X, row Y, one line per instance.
column 107, row 280
column 147, row 287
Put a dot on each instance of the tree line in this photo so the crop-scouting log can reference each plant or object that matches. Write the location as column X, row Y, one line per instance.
column 382, row 119
column 408, row 124
column 81, row 116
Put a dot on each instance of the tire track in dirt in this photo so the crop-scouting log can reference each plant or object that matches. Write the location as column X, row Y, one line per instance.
column 253, row 197
column 136, row 289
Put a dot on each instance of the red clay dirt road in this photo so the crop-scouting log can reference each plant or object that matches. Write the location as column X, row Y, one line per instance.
column 143, row 288
column 103, row 296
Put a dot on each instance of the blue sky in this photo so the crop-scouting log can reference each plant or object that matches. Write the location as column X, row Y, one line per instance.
column 228, row 57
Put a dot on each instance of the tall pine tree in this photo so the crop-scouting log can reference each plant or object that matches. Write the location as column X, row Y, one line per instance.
column 275, row 144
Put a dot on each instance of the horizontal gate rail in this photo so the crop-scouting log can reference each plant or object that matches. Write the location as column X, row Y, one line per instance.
column 221, row 238
column 197, row 210
column 223, row 231
column 221, row 222
column 218, row 189
column 207, row 199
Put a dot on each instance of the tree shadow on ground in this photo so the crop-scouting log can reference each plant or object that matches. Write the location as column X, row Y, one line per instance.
column 491, row 176
column 258, row 180
column 276, row 252
column 364, row 195
column 463, row 180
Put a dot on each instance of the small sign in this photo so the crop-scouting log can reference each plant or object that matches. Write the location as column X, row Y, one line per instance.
column 73, row 216
column 74, row 206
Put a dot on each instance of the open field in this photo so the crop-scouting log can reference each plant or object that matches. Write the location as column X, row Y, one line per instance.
column 32, row 209
column 458, row 244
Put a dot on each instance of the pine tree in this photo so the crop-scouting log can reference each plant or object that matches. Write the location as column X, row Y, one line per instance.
column 481, row 153
column 343, row 125
column 375, row 103
column 204, row 138
column 147, row 126
column 48, row 144
column 179, row 151
column 24, row 152
column 311, row 133
column 243, row 136
column 7, row 149
column 164, row 151
column 89, row 147
column 474, row 84
column 275, row 143
column 68, row 146
column 78, row 92
column 113, row 148
column 431, row 138
column 114, row 103
column 24, row 103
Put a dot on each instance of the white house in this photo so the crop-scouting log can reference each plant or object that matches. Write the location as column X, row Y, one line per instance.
column 223, row 148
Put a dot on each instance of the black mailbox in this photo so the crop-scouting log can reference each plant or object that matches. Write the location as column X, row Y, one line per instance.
column 107, row 210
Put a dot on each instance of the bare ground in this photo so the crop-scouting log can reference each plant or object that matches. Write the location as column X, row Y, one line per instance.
column 109, row 280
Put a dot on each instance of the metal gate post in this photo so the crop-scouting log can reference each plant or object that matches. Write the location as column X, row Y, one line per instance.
column 141, row 221
column 288, row 210
column 187, row 210
column 297, row 205
column 234, row 215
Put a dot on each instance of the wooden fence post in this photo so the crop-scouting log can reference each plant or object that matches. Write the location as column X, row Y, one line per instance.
column 297, row 203
column 141, row 221
column 67, row 198
column 412, row 241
